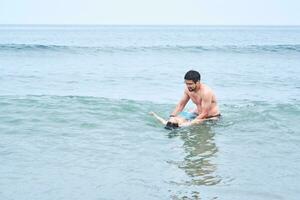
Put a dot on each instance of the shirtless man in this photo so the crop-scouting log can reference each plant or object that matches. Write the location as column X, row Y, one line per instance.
column 201, row 95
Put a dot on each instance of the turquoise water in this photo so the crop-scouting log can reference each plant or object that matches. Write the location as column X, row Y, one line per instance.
column 74, row 103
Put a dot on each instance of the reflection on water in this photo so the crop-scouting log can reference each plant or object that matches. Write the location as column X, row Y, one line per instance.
column 200, row 149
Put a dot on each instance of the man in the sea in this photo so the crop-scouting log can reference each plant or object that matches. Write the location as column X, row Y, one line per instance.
column 202, row 96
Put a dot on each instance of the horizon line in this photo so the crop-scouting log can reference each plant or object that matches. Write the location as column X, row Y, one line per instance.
column 36, row 24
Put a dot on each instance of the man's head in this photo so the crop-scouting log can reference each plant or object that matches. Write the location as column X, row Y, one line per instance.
column 191, row 79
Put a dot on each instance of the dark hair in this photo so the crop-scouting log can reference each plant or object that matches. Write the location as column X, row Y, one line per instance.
column 192, row 75
column 171, row 126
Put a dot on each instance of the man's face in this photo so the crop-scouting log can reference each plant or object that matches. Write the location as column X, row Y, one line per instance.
column 190, row 85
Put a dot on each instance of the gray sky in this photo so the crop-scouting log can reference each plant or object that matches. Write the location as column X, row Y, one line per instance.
column 173, row 12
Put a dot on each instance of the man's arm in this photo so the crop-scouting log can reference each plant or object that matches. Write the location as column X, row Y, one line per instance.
column 180, row 106
column 205, row 105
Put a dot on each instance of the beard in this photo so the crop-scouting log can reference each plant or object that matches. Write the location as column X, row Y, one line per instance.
column 191, row 89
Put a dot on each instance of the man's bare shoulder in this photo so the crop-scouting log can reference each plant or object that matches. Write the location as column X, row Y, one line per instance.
column 207, row 91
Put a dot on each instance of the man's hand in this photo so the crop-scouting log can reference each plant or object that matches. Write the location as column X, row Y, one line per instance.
column 172, row 116
column 197, row 121
column 172, row 119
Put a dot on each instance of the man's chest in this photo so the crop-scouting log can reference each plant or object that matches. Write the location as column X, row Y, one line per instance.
column 196, row 98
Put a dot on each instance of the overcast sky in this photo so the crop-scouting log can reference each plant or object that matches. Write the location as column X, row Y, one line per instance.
column 172, row 12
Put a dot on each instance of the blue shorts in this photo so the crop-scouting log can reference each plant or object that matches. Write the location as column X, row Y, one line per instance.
column 188, row 115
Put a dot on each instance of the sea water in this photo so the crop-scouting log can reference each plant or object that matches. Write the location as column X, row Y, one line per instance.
column 74, row 104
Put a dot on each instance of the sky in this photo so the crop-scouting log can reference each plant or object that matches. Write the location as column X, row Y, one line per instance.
column 151, row 12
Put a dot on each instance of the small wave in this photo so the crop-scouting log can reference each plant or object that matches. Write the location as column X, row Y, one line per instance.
column 280, row 48
column 33, row 47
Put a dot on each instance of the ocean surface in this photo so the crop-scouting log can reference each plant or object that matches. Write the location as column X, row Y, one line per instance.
column 74, row 104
